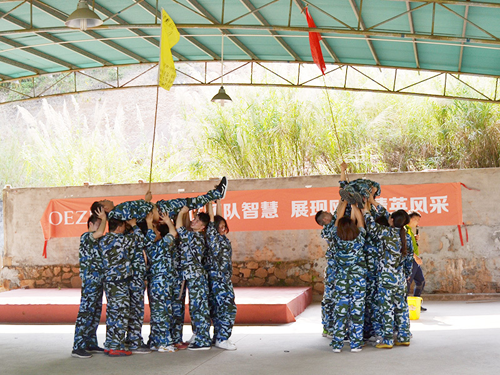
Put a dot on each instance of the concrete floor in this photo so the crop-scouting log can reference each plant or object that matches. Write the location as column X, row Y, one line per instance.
column 450, row 338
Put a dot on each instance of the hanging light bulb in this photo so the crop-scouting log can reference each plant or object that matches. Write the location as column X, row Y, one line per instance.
column 83, row 18
column 221, row 97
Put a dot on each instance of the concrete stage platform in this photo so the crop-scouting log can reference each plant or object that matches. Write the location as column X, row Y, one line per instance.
column 267, row 305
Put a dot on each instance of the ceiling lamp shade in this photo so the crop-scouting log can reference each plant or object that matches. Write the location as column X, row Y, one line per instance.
column 221, row 97
column 83, row 18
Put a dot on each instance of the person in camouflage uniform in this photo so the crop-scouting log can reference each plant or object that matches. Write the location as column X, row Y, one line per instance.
column 350, row 283
column 117, row 275
column 137, row 286
column 327, row 220
column 89, row 313
column 195, row 277
column 178, row 299
column 392, row 304
column 221, row 292
column 160, row 256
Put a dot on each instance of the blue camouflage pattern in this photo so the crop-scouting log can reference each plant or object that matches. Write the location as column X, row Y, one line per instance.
column 138, row 209
column 221, row 291
column 350, row 290
column 173, row 206
column 89, row 313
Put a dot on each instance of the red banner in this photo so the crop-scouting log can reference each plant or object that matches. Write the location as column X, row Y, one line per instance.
column 277, row 209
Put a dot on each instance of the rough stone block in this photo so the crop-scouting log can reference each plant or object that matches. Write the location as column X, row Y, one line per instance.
column 67, row 276
column 306, row 278
column 246, row 273
column 57, row 271
column 27, row 284
column 47, row 273
column 76, row 282
column 272, row 280
column 261, row 272
column 252, row 265
column 280, row 274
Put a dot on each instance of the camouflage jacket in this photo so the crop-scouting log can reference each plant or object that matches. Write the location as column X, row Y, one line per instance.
column 89, row 254
column 219, row 254
column 161, row 256
column 192, row 253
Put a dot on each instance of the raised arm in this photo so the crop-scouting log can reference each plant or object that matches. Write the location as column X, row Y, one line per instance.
column 210, row 211
column 101, row 214
column 219, row 208
column 358, row 216
column 148, row 196
column 171, row 228
column 180, row 217
column 340, row 211
column 343, row 169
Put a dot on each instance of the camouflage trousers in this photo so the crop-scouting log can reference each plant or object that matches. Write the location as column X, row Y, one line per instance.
column 372, row 322
column 198, row 309
column 361, row 186
column 394, row 314
column 89, row 314
column 178, row 304
column 173, row 206
column 160, row 304
column 137, row 288
column 127, row 212
column 349, row 311
column 117, row 314
column 328, row 303
column 222, row 307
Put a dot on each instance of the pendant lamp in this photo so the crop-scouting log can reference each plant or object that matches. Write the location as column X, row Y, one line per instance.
column 83, row 18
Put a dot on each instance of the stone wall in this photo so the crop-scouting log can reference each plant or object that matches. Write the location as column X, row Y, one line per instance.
column 288, row 257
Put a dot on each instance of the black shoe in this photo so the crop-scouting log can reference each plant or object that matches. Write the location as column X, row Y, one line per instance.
column 348, row 197
column 81, row 353
column 422, row 308
column 222, row 187
column 195, row 346
column 94, row 349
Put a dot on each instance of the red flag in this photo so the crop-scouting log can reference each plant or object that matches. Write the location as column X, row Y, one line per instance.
column 314, row 39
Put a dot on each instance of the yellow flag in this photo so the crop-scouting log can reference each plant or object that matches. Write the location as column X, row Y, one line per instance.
column 169, row 37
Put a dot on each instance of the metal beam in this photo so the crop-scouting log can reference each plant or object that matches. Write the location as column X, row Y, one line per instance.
column 324, row 43
column 55, row 39
column 21, row 65
column 458, row 2
column 354, row 7
column 153, row 11
column 263, row 21
column 121, row 21
column 412, row 30
column 230, row 36
column 337, row 32
column 62, row 17
column 460, row 58
column 38, row 53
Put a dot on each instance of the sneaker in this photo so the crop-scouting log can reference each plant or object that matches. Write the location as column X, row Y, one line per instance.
column 345, row 195
column 181, row 345
column 383, row 346
column 153, row 348
column 94, row 349
column 225, row 344
column 356, row 350
column 167, row 349
column 422, row 308
column 324, row 333
column 195, row 346
column 359, row 200
column 222, row 187
column 141, row 350
column 117, row 353
column 80, row 353
column 402, row 343
column 336, row 350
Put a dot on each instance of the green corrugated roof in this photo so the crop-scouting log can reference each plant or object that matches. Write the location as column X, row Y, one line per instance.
column 448, row 35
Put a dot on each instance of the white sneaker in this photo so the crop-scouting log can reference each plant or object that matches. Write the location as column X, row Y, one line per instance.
column 193, row 337
column 336, row 350
column 225, row 344
column 167, row 349
column 356, row 350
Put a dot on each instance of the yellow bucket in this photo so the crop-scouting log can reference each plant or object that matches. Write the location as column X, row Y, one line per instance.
column 414, row 304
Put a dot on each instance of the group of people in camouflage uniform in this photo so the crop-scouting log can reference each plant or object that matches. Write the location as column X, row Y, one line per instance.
column 145, row 250
column 369, row 259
